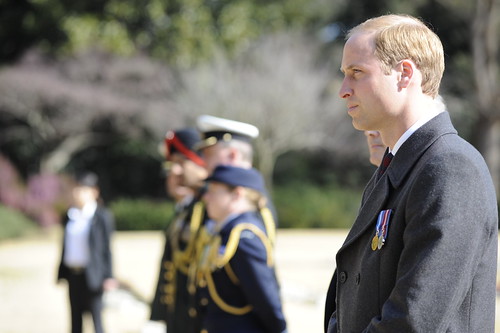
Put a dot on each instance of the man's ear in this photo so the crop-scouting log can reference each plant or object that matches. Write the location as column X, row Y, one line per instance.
column 233, row 154
column 407, row 69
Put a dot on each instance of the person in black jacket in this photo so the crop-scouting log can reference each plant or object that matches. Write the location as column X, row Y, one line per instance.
column 421, row 255
column 86, row 261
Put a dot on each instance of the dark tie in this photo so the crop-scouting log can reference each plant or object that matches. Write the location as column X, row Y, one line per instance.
column 385, row 163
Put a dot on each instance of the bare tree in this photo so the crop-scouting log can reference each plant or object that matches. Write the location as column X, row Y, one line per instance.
column 486, row 69
column 279, row 86
column 58, row 105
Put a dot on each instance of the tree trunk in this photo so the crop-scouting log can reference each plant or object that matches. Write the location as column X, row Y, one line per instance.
column 486, row 139
column 58, row 159
column 486, row 70
column 492, row 152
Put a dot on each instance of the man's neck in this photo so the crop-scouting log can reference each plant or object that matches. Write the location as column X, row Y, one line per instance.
column 417, row 113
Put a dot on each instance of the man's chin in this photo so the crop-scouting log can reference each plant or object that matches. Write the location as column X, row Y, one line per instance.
column 358, row 126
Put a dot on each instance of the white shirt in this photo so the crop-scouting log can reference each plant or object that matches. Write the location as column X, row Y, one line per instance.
column 424, row 119
column 76, row 245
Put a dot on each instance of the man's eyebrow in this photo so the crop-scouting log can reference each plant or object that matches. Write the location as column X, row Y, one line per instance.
column 343, row 70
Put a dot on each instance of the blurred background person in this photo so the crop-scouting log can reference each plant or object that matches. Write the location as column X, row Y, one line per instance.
column 86, row 260
column 229, row 142
column 226, row 142
column 184, row 180
column 376, row 147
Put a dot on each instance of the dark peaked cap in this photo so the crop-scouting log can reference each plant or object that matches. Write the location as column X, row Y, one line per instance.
column 215, row 129
column 235, row 176
column 183, row 141
column 87, row 178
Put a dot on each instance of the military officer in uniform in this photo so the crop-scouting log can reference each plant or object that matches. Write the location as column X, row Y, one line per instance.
column 226, row 142
column 185, row 177
column 237, row 264
column 229, row 142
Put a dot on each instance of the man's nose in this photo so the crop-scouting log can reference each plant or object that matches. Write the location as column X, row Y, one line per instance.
column 345, row 91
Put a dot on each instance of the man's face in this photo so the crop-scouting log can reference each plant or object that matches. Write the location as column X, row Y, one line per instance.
column 375, row 146
column 215, row 155
column 370, row 95
column 183, row 176
column 84, row 194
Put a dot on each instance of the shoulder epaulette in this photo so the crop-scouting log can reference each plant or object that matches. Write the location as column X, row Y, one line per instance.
column 222, row 261
column 234, row 239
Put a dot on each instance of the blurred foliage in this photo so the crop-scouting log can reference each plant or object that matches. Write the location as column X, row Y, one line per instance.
column 298, row 205
column 323, row 168
column 303, row 205
column 107, row 76
column 182, row 32
column 14, row 224
column 42, row 197
column 141, row 214
column 124, row 167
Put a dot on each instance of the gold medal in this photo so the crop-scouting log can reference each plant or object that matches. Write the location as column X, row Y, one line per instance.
column 375, row 241
column 381, row 242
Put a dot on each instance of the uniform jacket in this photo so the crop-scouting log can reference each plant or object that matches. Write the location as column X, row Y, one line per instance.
column 100, row 263
column 436, row 271
column 247, row 281
column 172, row 301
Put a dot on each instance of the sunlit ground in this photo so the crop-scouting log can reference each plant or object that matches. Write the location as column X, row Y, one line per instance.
column 31, row 301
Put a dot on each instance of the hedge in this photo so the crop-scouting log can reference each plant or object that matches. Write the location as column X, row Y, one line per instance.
column 14, row 224
column 141, row 214
column 297, row 206
column 310, row 206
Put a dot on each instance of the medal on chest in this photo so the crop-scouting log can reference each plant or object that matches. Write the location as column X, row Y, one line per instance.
column 381, row 229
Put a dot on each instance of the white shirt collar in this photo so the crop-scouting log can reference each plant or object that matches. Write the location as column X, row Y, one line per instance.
column 86, row 212
column 419, row 123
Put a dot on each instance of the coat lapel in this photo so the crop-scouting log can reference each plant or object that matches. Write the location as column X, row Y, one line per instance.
column 377, row 194
column 372, row 205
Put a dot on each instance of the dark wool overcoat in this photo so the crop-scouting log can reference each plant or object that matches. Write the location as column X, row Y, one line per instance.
column 436, row 272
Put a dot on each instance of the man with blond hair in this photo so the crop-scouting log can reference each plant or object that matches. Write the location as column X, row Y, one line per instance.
column 422, row 253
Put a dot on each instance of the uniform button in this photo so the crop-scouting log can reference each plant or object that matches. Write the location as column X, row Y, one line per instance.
column 204, row 331
column 358, row 278
column 343, row 277
column 192, row 312
column 204, row 301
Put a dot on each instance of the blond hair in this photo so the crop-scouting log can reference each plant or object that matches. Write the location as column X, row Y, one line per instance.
column 255, row 198
column 399, row 37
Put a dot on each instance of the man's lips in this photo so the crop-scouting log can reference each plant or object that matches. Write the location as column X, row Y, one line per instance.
column 351, row 107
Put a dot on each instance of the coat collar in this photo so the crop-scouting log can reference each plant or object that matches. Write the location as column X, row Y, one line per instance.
column 376, row 193
column 413, row 148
